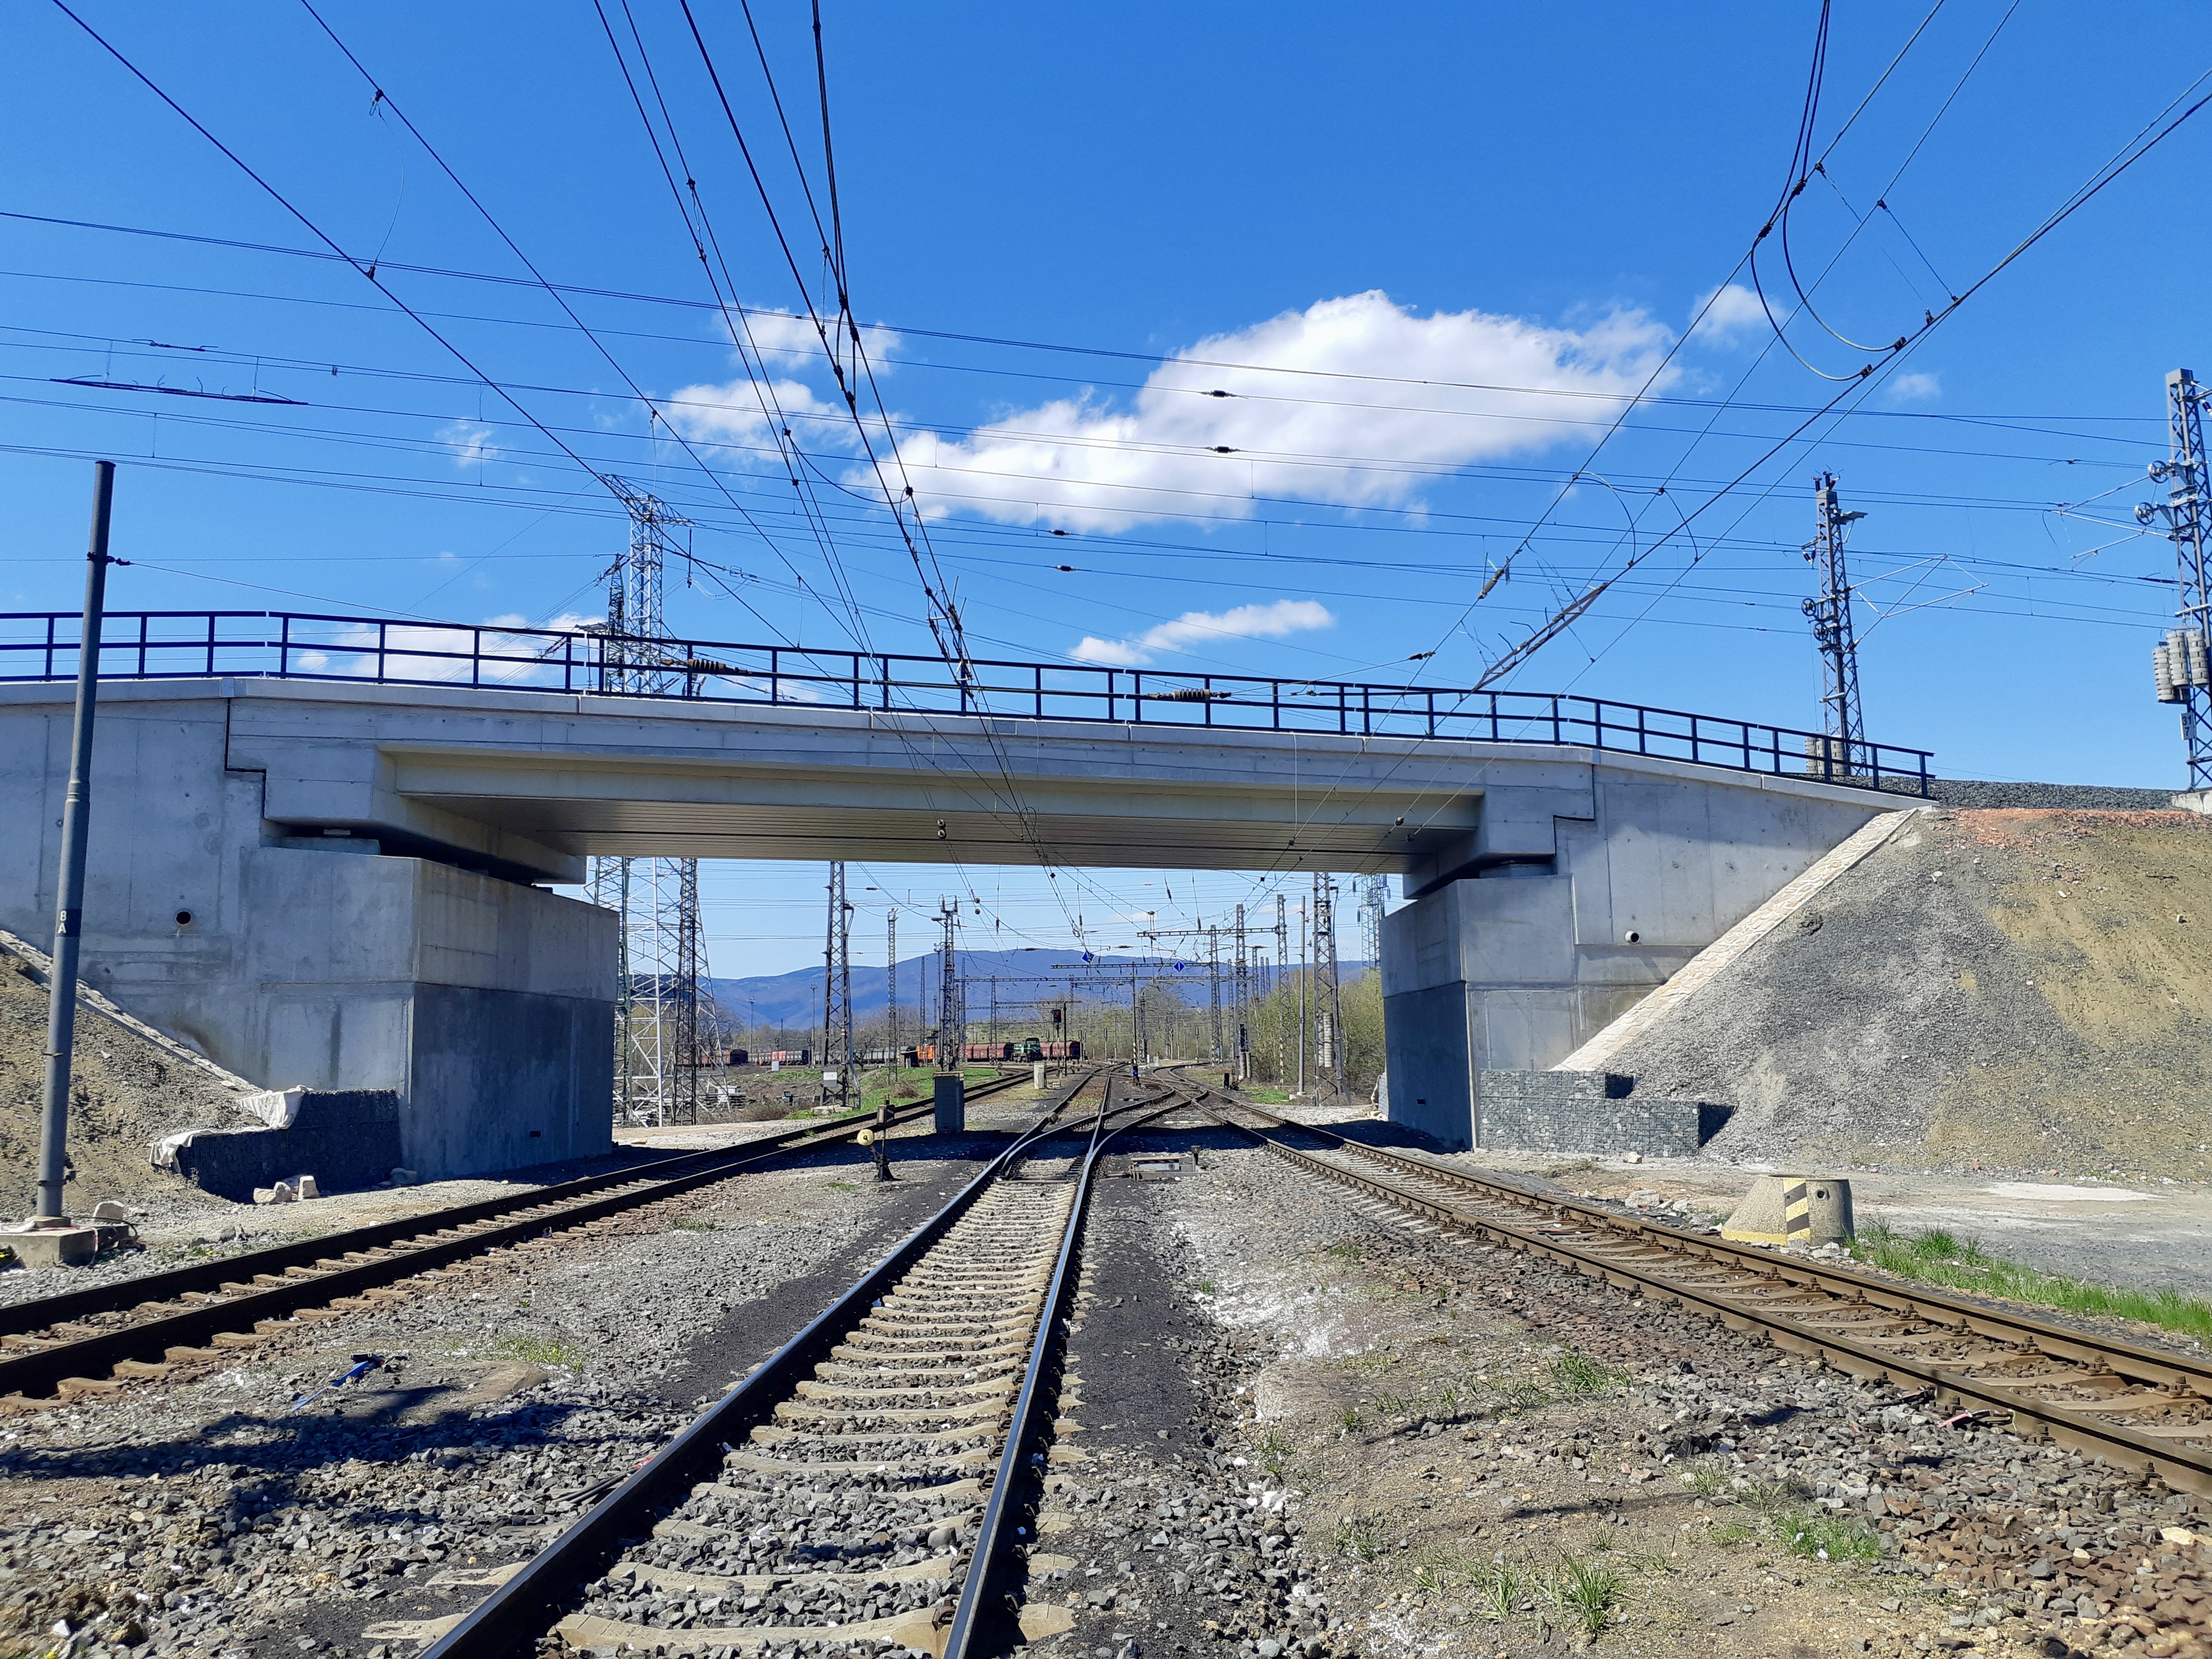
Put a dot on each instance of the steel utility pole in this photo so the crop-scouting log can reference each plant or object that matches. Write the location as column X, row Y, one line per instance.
column 837, row 987
column 1214, row 984
column 69, row 909
column 1305, row 985
column 1328, row 1001
column 2179, row 661
column 1243, row 1000
column 661, row 954
column 891, row 979
column 951, row 1017
column 1844, row 753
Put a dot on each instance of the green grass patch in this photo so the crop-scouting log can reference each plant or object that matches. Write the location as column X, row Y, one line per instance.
column 1576, row 1374
column 1355, row 1536
column 1495, row 1589
column 1586, row 1591
column 841, row 1185
column 696, row 1223
column 1938, row 1257
column 1806, row 1530
column 1822, row 1535
column 539, row 1350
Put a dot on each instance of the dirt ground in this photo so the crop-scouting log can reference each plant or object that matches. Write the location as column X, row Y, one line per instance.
column 2012, row 989
column 2158, row 1236
column 126, row 1094
column 1494, row 1457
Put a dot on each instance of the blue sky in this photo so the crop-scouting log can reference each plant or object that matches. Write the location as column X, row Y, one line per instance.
column 1485, row 225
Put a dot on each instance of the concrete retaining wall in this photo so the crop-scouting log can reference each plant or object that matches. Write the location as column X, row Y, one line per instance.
column 1588, row 1113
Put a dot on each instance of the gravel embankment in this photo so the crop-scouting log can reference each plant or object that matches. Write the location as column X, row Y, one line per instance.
column 2019, row 991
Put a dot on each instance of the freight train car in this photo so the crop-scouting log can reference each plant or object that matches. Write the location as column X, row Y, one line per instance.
column 909, row 1055
column 792, row 1056
column 987, row 1051
column 1036, row 1048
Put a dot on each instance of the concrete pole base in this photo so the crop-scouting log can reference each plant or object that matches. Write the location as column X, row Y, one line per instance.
column 60, row 1242
column 951, row 1105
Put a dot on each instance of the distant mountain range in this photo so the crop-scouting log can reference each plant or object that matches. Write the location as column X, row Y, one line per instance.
column 1023, row 977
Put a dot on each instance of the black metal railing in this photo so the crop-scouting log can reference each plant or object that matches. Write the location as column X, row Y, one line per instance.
column 297, row 646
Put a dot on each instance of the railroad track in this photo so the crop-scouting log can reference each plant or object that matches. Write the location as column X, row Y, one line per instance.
column 2141, row 1409
column 91, row 1342
column 874, row 1479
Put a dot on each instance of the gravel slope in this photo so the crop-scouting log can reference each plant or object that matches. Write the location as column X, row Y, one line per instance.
column 2027, row 990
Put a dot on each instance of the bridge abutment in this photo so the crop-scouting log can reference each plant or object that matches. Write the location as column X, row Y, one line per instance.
column 296, row 958
column 1539, row 935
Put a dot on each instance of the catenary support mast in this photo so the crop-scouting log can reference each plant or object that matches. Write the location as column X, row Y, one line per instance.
column 1832, row 631
column 2179, row 662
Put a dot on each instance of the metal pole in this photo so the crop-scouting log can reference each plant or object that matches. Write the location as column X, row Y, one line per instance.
column 69, row 918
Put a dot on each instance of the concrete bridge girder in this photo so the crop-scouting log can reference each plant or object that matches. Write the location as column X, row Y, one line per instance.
column 432, row 962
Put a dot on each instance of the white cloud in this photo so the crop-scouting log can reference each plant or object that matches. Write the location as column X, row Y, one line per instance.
column 783, row 336
column 1357, row 440
column 731, row 413
column 1203, row 628
column 471, row 443
column 1915, row 388
column 1730, row 313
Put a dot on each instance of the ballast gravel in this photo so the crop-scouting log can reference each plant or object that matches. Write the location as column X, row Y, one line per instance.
column 224, row 1511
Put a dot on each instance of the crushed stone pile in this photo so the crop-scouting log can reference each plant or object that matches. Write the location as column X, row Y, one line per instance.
column 2004, row 989
column 127, row 1089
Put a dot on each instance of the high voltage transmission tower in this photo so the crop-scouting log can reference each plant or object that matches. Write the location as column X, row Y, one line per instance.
column 837, row 987
column 1372, row 901
column 1282, row 967
column 661, row 954
column 1843, row 751
column 2179, row 661
column 1328, row 1001
column 952, row 1016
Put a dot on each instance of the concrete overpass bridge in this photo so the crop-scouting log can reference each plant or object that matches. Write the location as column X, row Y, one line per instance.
column 320, row 845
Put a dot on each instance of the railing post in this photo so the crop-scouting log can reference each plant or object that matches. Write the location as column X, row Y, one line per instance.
column 1137, row 695
column 1431, row 729
column 1205, row 684
column 883, row 666
column 1275, row 705
column 1036, row 681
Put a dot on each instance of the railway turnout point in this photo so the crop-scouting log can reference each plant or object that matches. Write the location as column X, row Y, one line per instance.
column 326, row 844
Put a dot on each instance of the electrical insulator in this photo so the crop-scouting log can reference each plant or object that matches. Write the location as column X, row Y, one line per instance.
column 2161, row 668
column 2193, row 662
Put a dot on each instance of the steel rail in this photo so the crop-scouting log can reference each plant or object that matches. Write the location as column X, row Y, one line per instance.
column 984, row 1620
column 513, row 1618
column 2184, row 1467
column 314, row 1271
column 2153, row 1367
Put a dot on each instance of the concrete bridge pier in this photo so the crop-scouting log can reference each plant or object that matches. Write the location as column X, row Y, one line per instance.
column 1566, row 906
column 232, row 916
